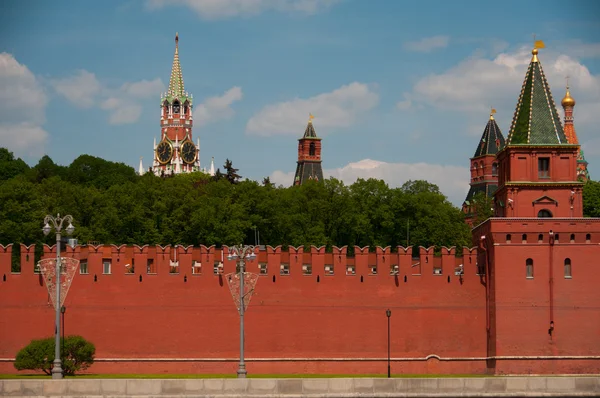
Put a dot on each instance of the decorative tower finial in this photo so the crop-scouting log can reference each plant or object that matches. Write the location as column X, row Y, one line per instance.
column 537, row 44
column 492, row 114
column 310, row 117
column 176, row 39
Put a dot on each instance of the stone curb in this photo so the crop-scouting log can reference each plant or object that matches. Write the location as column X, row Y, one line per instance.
column 321, row 387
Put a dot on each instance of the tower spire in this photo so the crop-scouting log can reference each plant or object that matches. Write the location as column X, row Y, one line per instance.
column 536, row 120
column 176, row 87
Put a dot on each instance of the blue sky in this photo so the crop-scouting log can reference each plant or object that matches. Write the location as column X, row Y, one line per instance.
column 399, row 89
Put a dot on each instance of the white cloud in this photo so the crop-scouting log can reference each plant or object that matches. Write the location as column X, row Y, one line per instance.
column 24, row 139
column 84, row 90
column 477, row 84
column 579, row 49
column 427, row 44
column 217, row 108
column 21, row 98
column 143, row 88
column 218, row 9
column 453, row 181
column 81, row 89
column 338, row 108
column 121, row 111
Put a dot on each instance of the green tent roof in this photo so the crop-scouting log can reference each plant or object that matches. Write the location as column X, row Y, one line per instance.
column 536, row 120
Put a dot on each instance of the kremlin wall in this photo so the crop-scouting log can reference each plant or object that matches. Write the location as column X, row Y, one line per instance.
column 318, row 312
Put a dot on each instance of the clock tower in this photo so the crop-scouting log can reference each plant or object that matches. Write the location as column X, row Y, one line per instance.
column 176, row 151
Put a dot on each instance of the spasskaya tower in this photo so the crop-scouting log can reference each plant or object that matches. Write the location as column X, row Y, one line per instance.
column 176, row 151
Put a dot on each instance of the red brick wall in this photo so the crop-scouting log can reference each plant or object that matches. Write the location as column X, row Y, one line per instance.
column 295, row 316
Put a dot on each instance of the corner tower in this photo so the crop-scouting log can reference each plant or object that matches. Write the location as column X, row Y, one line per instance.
column 309, row 156
column 176, row 152
column 484, row 167
column 537, row 166
column 568, row 103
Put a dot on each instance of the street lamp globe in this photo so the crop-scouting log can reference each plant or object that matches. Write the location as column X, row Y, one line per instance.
column 70, row 229
column 46, row 229
column 251, row 256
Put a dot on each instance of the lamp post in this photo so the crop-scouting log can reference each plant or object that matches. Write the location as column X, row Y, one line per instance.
column 388, row 313
column 63, row 309
column 240, row 254
column 57, row 223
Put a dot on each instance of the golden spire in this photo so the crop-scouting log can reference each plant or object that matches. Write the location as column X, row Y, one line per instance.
column 567, row 100
column 310, row 117
column 492, row 114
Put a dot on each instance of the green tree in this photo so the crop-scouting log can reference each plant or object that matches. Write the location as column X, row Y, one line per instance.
column 483, row 207
column 231, row 173
column 591, row 199
column 78, row 354
column 9, row 166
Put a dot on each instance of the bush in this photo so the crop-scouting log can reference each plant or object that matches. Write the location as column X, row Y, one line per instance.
column 78, row 354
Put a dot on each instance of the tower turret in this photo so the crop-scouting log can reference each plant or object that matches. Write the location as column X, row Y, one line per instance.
column 568, row 104
column 537, row 166
column 484, row 167
column 309, row 156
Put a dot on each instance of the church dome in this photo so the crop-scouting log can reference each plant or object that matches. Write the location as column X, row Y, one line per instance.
column 568, row 100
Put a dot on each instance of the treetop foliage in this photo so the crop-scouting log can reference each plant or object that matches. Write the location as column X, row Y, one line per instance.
column 110, row 203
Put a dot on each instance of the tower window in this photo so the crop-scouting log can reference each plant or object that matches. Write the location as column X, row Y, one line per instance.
column 568, row 268
column 588, row 238
column 312, row 149
column 543, row 167
column 176, row 107
column 508, row 237
column 544, row 214
column 529, row 268
column 540, row 238
column 494, row 169
column 524, row 238
column 572, row 238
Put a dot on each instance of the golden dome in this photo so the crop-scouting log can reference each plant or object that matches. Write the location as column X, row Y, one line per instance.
column 568, row 100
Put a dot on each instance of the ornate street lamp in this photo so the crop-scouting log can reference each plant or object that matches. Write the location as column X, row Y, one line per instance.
column 388, row 313
column 57, row 223
column 241, row 285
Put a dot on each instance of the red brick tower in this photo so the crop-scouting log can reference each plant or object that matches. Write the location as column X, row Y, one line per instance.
column 538, row 165
column 176, row 152
column 309, row 156
column 539, row 272
column 484, row 167
column 568, row 104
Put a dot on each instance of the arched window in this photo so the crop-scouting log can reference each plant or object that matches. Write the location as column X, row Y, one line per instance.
column 544, row 214
column 494, row 169
column 568, row 268
column 185, row 107
column 524, row 238
column 176, row 107
column 508, row 237
column 572, row 238
column 540, row 238
column 588, row 238
column 311, row 149
column 529, row 268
